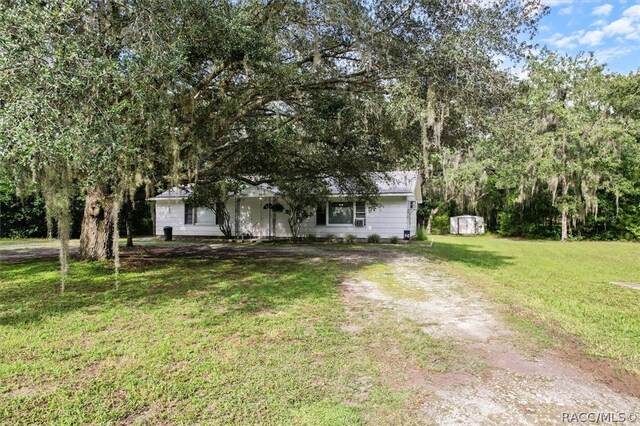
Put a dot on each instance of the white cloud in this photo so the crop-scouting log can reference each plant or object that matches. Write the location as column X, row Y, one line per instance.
column 605, row 55
column 613, row 34
column 566, row 10
column 603, row 10
column 633, row 12
column 564, row 42
column 592, row 38
column 621, row 26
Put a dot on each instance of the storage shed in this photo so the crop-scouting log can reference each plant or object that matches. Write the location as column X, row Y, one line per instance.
column 466, row 225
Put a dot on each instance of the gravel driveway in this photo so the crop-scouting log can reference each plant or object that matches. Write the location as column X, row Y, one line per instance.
column 514, row 385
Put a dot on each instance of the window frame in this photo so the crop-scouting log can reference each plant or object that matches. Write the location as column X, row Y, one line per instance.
column 341, row 224
column 354, row 207
column 363, row 213
column 191, row 213
column 194, row 216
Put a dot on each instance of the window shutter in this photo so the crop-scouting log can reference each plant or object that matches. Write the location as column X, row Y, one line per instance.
column 188, row 214
column 321, row 215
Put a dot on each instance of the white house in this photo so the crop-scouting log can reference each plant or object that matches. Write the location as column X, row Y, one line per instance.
column 252, row 215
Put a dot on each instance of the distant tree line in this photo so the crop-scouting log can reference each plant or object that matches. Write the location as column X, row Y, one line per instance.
column 558, row 158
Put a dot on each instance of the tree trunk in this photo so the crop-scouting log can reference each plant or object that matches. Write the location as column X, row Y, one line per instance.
column 153, row 218
column 96, row 236
column 127, row 220
column 432, row 213
column 564, row 236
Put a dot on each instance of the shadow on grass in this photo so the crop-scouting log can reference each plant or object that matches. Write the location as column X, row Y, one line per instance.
column 241, row 283
column 464, row 253
column 231, row 278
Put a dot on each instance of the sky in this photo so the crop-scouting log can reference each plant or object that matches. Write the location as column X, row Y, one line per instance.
column 611, row 29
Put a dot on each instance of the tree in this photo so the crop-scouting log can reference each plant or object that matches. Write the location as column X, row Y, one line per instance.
column 214, row 195
column 83, row 103
column 578, row 135
column 302, row 198
column 123, row 94
column 454, row 82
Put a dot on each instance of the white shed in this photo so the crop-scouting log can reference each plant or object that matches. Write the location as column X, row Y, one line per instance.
column 466, row 225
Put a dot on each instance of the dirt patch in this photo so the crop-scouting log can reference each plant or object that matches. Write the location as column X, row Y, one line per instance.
column 603, row 371
column 634, row 286
column 30, row 390
column 513, row 386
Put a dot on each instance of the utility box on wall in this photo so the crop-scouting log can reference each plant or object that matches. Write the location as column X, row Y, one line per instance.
column 466, row 225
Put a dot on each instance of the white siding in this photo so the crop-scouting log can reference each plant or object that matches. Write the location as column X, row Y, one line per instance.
column 171, row 213
column 390, row 218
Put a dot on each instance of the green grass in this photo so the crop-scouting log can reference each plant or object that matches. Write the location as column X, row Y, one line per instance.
column 556, row 287
column 16, row 241
column 182, row 340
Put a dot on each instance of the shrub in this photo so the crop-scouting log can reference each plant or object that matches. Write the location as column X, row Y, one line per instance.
column 311, row 238
column 440, row 224
column 421, row 234
column 331, row 238
column 373, row 238
column 350, row 239
column 394, row 240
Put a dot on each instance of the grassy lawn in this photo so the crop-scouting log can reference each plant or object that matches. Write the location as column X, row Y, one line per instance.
column 186, row 340
column 556, row 285
column 15, row 241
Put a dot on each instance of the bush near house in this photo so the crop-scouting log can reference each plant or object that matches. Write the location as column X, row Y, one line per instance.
column 350, row 239
column 374, row 239
column 421, row 234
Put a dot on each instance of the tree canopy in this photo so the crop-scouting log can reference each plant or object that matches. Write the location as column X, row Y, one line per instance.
column 110, row 96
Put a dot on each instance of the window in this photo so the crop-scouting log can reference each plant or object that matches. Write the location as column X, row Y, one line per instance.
column 321, row 215
column 361, row 214
column 341, row 213
column 412, row 204
column 200, row 216
column 204, row 216
column 188, row 214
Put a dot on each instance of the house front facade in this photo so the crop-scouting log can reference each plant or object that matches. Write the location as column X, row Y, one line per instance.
column 253, row 214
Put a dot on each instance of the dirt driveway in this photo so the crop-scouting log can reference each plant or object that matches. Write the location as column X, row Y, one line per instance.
column 511, row 381
column 515, row 383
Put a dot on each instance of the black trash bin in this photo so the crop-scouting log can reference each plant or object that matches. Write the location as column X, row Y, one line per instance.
column 168, row 233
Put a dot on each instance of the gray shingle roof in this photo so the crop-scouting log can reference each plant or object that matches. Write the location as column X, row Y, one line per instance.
column 396, row 182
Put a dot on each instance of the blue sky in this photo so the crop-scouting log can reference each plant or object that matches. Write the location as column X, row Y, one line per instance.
column 611, row 29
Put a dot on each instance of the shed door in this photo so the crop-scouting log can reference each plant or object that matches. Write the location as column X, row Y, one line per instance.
column 467, row 225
